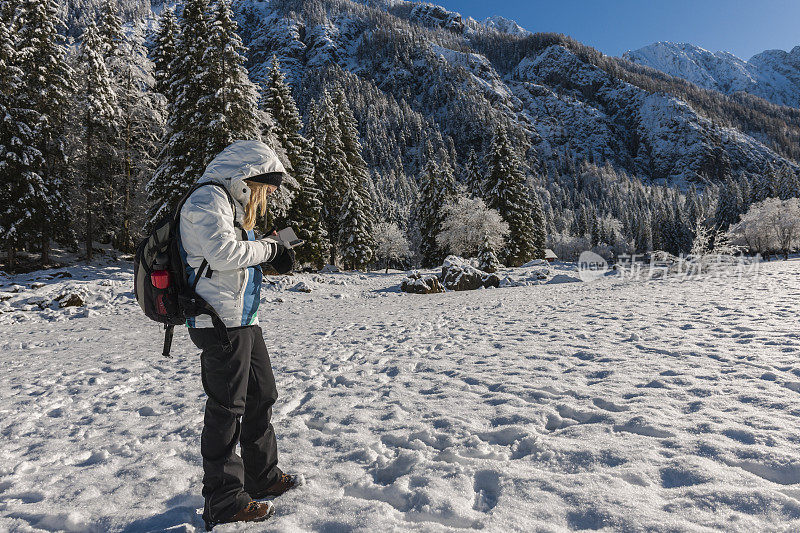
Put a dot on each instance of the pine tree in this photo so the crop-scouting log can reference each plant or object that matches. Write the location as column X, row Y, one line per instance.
column 305, row 213
column 356, row 242
column 787, row 184
column 473, row 175
column 164, row 52
column 729, row 206
column 283, row 109
column 214, row 102
column 487, row 259
column 23, row 189
column 184, row 155
column 48, row 85
column 507, row 192
column 117, row 58
column 110, row 30
column 428, row 215
column 356, row 166
column 538, row 234
column 285, row 128
column 331, row 164
column 141, row 126
column 231, row 104
column 644, row 233
column 98, row 109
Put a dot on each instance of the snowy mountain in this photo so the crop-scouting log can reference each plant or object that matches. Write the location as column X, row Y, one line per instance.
column 505, row 25
column 773, row 74
column 458, row 79
column 419, row 73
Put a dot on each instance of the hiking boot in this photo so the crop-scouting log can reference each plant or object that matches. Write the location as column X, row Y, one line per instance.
column 281, row 485
column 253, row 512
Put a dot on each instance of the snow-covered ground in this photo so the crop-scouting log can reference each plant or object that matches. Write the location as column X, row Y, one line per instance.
column 664, row 405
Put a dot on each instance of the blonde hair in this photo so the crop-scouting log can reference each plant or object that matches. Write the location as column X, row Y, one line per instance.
column 256, row 205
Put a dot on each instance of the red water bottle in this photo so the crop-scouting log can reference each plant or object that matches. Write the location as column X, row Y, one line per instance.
column 160, row 279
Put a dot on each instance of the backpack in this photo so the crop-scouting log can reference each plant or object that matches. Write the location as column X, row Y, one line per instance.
column 161, row 284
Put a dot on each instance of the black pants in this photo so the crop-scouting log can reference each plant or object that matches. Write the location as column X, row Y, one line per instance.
column 241, row 392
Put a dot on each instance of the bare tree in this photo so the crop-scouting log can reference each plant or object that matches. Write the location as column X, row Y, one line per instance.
column 467, row 224
column 392, row 245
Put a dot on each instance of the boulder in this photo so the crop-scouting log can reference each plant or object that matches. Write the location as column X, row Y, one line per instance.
column 459, row 275
column 492, row 280
column 301, row 287
column 418, row 284
column 563, row 278
column 71, row 299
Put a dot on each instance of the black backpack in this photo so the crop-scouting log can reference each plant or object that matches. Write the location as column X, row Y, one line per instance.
column 161, row 285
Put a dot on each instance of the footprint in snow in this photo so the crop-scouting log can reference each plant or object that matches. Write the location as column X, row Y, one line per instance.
column 487, row 490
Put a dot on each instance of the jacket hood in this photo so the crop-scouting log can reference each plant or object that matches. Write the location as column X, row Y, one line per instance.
column 239, row 161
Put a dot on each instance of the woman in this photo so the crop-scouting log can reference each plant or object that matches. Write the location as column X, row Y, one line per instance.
column 222, row 254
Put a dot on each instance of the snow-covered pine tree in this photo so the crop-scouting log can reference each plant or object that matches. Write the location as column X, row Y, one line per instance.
column 116, row 56
column 644, row 233
column 22, row 191
column 507, row 192
column 110, row 29
column 730, row 205
column 693, row 208
column 97, row 105
column 448, row 188
column 48, row 86
column 787, row 184
column 356, row 242
column 285, row 128
column 473, row 175
column 281, row 105
column 186, row 152
column 231, row 104
column 538, row 234
column 356, row 166
column 305, row 213
column 142, row 116
column 164, row 52
column 766, row 185
column 428, row 214
column 487, row 259
column 331, row 165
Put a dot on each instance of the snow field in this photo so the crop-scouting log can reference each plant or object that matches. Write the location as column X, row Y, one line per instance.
column 627, row 406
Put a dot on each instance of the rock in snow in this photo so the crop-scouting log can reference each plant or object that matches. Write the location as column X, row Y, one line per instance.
column 418, row 284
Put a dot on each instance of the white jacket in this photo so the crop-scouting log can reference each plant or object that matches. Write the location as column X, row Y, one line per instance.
column 207, row 232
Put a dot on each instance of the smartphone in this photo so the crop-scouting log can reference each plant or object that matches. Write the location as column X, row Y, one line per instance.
column 289, row 238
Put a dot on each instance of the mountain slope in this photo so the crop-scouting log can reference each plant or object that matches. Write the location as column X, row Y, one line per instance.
column 773, row 74
column 566, row 100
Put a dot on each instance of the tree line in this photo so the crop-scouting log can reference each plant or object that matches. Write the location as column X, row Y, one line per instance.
column 101, row 137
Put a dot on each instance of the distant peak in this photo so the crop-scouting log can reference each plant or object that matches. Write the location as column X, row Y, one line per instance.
column 505, row 25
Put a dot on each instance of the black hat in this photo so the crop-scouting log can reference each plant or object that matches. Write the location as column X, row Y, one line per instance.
column 269, row 178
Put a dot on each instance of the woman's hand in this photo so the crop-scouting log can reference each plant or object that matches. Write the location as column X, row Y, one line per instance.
column 284, row 261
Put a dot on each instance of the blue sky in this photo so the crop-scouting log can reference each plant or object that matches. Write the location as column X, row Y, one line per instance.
column 741, row 27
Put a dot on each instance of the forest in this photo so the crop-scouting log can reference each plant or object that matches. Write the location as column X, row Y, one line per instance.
column 110, row 116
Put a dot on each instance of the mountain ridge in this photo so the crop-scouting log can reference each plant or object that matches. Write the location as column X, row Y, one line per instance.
column 773, row 75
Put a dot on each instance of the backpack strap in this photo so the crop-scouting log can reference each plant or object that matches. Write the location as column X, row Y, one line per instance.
column 168, row 333
column 196, row 186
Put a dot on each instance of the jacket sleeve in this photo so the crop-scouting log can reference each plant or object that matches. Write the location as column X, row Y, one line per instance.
column 211, row 219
